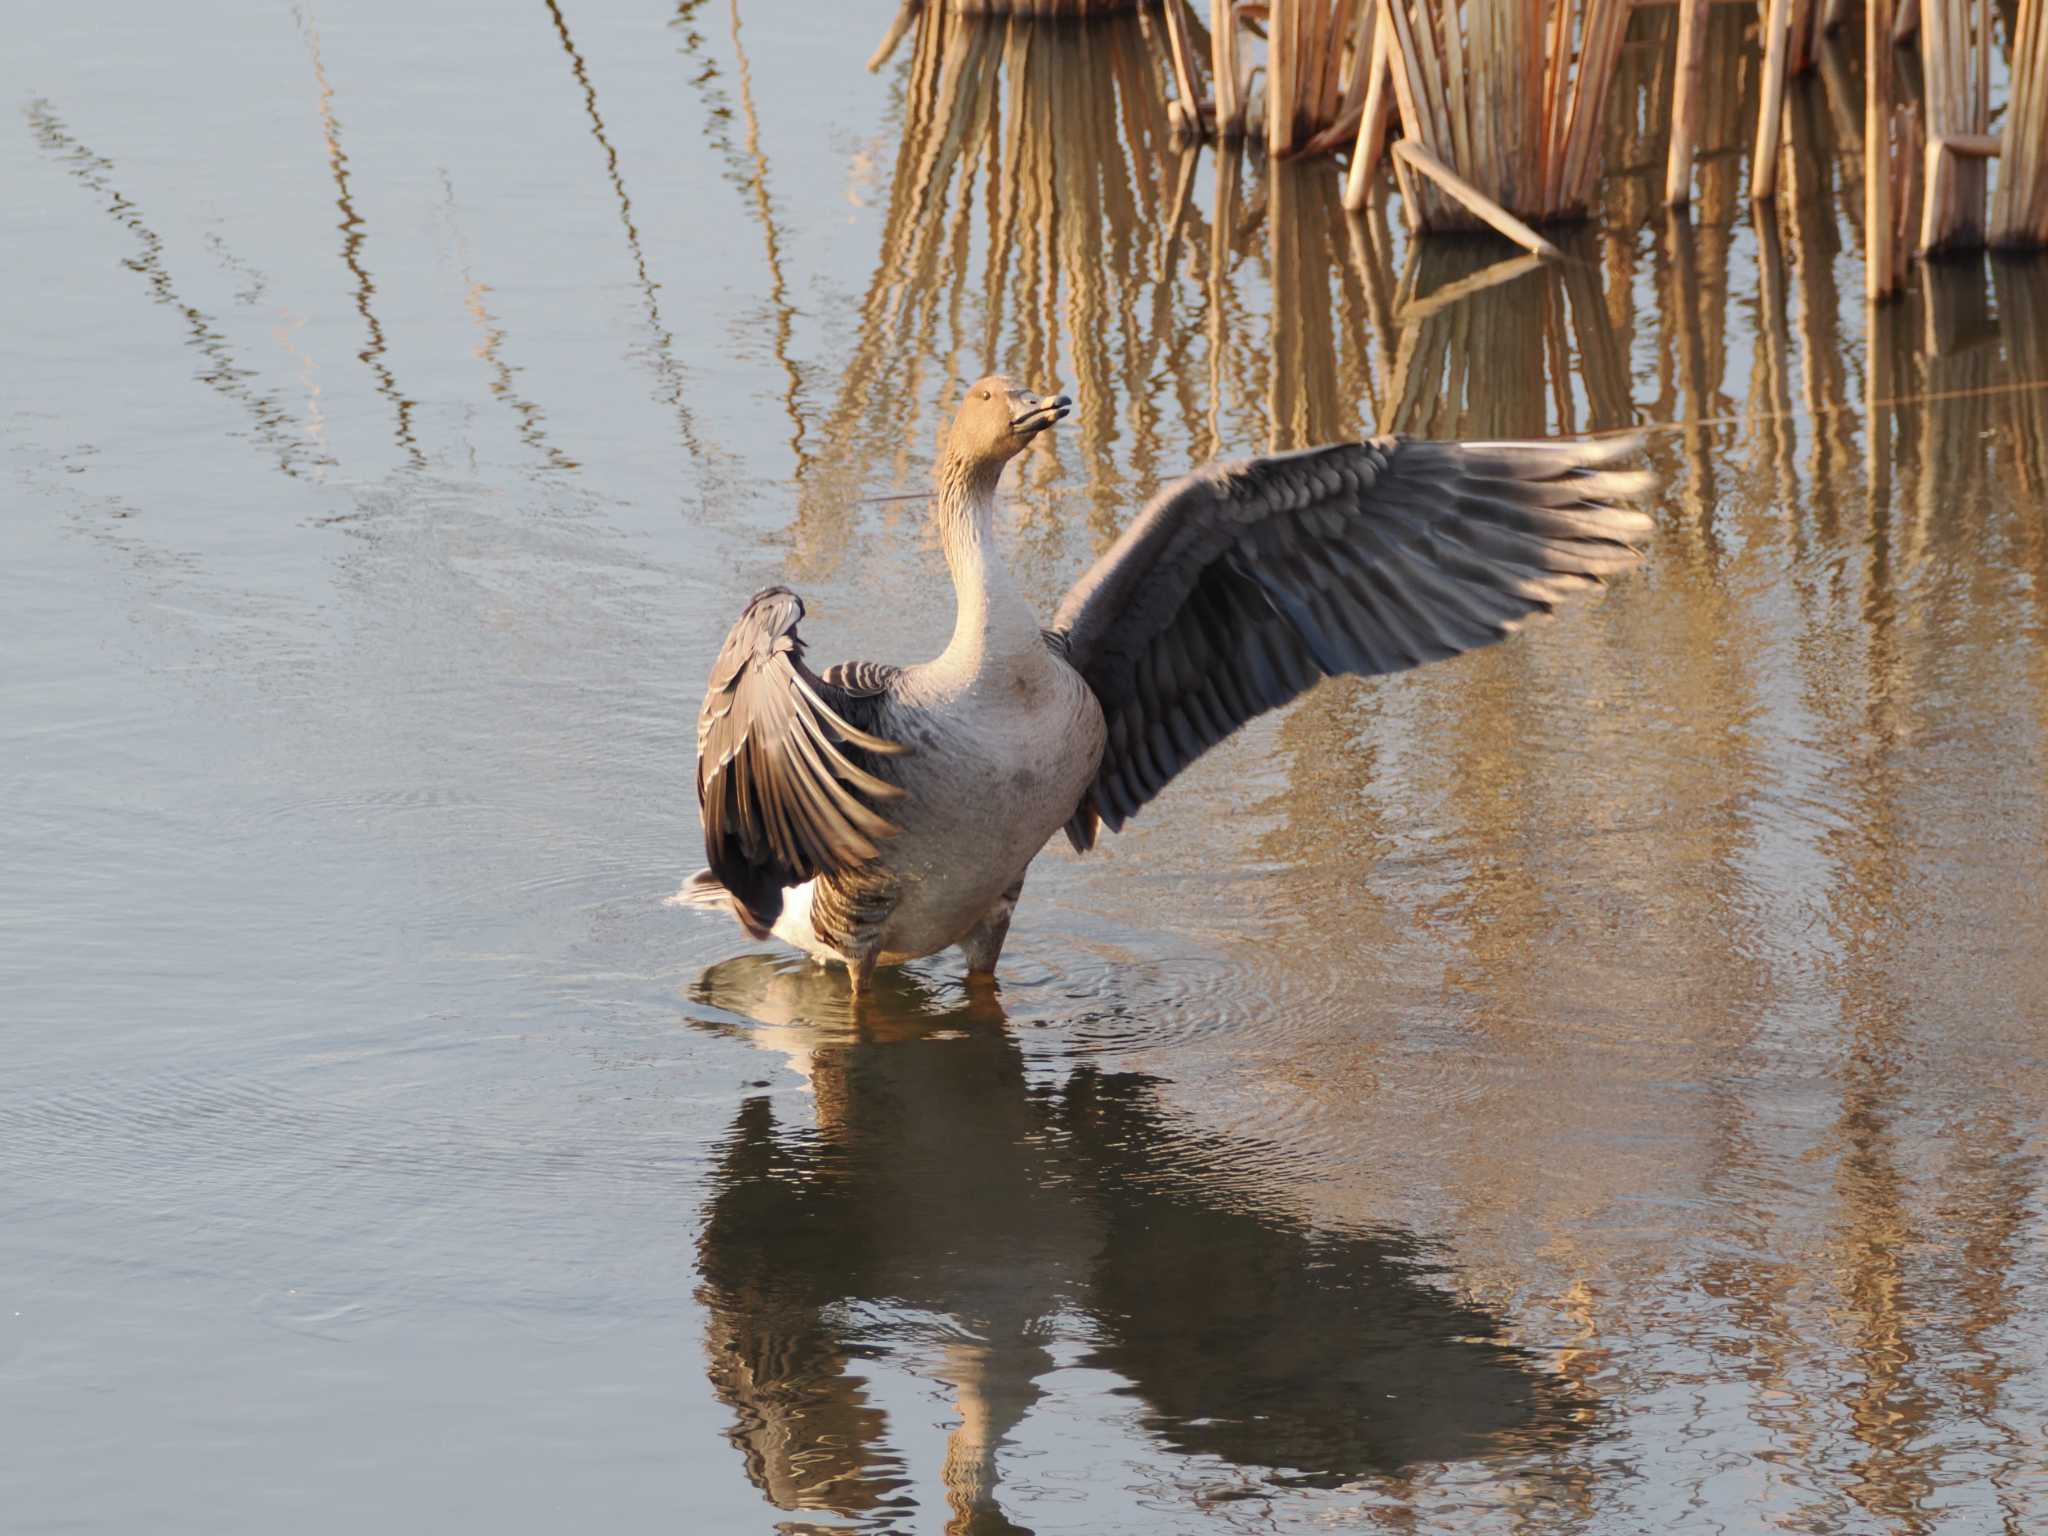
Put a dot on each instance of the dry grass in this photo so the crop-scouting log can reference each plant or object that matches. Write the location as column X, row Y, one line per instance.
column 1502, row 104
column 1507, row 96
column 2019, row 207
column 1955, row 63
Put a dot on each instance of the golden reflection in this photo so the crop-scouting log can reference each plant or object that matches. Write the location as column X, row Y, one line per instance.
column 1994, row 1175
column 1487, row 346
column 1849, row 570
column 1820, row 191
column 352, row 238
column 1319, row 369
column 1631, row 191
column 2021, row 285
column 270, row 422
column 1036, row 218
column 1918, row 884
column 757, row 182
column 1693, row 344
column 947, row 1212
column 1691, row 825
column 1860, row 719
column 1890, row 1405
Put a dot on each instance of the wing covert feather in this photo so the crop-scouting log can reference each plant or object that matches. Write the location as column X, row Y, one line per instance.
column 785, row 760
column 1240, row 585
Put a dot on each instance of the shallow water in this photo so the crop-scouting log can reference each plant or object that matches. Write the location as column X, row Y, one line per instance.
column 1598, row 1084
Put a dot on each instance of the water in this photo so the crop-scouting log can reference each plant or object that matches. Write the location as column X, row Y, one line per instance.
column 1598, row 1084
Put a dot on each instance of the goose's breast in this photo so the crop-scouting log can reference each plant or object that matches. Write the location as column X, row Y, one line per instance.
column 993, row 774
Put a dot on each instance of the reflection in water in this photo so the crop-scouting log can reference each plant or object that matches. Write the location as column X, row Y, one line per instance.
column 503, row 385
column 1681, row 970
column 949, row 1212
column 1042, row 220
column 1841, row 563
column 1487, row 348
column 751, row 170
column 667, row 370
column 352, row 237
column 1032, row 221
column 222, row 372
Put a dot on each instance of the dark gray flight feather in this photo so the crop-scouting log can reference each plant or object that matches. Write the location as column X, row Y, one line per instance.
column 1239, row 586
column 785, row 760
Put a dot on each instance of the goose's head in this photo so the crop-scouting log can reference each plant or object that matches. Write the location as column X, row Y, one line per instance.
column 997, row 420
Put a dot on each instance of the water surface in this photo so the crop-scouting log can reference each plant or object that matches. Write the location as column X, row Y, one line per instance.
column 1598, row 1084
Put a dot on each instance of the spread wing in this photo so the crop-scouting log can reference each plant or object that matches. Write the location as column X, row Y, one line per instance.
column 1239, row 586
column 785, row 759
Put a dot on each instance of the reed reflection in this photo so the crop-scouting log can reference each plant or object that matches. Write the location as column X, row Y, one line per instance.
column 949, row 1213
column 353, row 237
column 1953, row 573
column 667, row 367
column 1832, row 684
column 1486, row 346
column 221, row 370
column 747, row 168
column 504, row 375
column 1776, row 754
column 1036, row 217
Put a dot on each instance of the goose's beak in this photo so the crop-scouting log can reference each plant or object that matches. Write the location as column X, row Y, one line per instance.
column 1037, row 415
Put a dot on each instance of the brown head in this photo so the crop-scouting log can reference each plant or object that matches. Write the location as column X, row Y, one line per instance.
column 995, row 423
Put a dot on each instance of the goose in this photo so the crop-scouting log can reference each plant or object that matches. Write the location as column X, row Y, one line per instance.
column 872, row 814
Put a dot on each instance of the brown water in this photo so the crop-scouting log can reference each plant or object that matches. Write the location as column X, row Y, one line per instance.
column 1599, row 1084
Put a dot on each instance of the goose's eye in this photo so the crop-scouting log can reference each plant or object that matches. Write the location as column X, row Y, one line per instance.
column 984, row 394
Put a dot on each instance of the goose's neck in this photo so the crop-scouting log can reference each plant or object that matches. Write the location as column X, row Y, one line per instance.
column 993, row 624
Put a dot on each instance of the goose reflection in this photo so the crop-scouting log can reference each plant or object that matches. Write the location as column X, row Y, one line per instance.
column 953, row 1212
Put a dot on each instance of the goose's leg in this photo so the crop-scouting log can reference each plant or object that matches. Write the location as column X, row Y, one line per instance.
column 860, row 969
column 983, row 945
column 849, row 913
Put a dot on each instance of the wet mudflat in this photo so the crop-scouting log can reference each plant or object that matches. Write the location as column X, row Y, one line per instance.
column 1598, row 1084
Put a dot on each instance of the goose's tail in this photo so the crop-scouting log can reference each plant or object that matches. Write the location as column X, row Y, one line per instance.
column 703, row 890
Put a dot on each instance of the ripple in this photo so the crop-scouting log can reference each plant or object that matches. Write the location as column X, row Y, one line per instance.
column 1102, row 1002
column 180, row 1133
column 379, row 802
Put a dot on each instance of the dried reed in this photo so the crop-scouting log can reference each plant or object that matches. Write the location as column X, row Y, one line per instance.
column 1188, row 112
column 1508, row 94
column 2019, row 206
column 1881, row 169
column 1806, row 21
column 1040, row 9
column 1686, row 98
column 1770, row 123
column 1373, row 120
column 1955, row 62
column 1319, row 66
column 1223, row 62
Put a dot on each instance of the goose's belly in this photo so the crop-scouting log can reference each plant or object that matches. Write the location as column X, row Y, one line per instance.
column 1001, row 772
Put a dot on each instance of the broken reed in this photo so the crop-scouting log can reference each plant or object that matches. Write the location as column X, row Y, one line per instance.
column 1955, row 64
column 1509, row 98
column 1319, row 55
column 1045, row 10
column 1501, row 105
column 1890, row 147
column 2019, row 207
